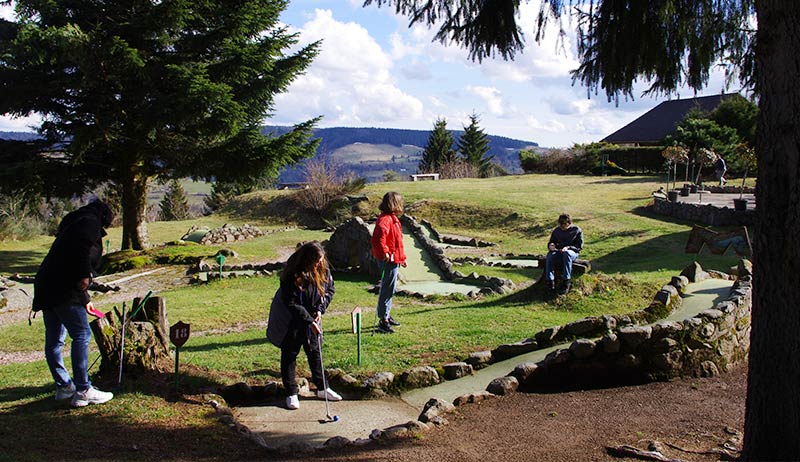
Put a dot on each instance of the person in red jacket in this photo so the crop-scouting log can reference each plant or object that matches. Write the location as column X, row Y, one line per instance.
column 387, row 248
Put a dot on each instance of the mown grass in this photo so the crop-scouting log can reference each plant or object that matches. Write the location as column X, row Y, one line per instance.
column 632, row 255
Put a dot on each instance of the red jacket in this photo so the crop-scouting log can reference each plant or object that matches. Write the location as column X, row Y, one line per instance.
column 388, row 238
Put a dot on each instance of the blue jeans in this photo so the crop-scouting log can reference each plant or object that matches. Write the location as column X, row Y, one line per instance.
column 564, row 258
column 388, row 284
column 57, row 322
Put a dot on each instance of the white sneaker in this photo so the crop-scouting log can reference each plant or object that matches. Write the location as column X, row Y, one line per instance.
column 63, row 393
column 332, row 395
column 90, row 396
column 292, row 402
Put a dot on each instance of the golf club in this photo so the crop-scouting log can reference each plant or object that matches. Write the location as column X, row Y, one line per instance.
column 121, row 345
column 328, row 417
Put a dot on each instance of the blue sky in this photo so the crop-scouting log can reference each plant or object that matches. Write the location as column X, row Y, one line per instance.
column 375, row 71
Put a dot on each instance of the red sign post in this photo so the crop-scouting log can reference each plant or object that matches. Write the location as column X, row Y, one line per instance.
column 178, row 335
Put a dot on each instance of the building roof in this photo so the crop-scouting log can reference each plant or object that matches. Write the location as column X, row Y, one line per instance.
column 657, row 123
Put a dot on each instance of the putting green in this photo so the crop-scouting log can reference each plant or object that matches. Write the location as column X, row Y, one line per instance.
column 421, row 274
column 698, row 297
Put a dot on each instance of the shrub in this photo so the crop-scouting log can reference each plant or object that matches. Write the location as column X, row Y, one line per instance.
column 457, row 169
column 326, row 191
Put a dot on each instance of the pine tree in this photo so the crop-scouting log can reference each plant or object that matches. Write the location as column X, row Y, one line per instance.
column 174, row 204
column 134, row 90
column 473, row 146
column 439, row 148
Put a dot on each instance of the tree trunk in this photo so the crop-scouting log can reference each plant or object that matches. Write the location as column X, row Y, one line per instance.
column 146, row 338
column 134, row 208
column 772, row 415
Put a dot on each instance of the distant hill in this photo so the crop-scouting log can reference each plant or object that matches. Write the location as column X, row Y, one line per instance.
column 370, row 152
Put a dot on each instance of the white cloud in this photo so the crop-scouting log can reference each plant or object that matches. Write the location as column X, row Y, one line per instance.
column 491, row 96
column 349, row 82
column 19, row 124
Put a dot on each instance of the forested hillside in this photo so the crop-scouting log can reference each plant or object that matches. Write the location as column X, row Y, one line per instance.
column 371, row 152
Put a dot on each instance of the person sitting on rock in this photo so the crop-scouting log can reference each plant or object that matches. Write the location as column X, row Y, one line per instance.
column 566, row 242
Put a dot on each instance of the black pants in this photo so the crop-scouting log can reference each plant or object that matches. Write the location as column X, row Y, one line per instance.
column 296, row 339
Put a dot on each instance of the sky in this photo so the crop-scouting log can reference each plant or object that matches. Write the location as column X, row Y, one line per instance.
column 375, row 71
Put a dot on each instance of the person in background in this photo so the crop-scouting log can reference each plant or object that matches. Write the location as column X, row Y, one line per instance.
column 61, row 292
column 387, row 248
column 719, row 169
column 566, row 242
column 295, row 318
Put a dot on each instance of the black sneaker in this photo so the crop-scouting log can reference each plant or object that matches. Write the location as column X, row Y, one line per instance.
column 385, row 328
column 392, row 322
column 566, row 287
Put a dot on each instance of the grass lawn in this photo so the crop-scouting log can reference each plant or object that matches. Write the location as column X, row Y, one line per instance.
column 632, row 255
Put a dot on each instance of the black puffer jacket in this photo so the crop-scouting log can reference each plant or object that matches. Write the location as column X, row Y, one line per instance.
column 74, row 255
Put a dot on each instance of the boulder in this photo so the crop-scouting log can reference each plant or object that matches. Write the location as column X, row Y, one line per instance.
column 420, row 376
column 503, row 385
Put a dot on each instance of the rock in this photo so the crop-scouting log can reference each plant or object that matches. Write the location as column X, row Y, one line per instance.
column 633, row 336
column 680, row 283
column 415, row 426
column 514, row 349
column 479, row 359
column 585, row 326
column 476, row 397
column 610, row 343
column 420, row 376
column 435, row 407
column 503, row 385
column 707, row 369
column 744, row 270
column 524, row 370
column 667, row 295
column 670, row 361
column 337, row 442
column 664, row 344
column 557, row 357
column 546, row 336
column 456, row 370
column 694, row 272
column 395, row 432
column 582, row 348
column 15, row 299
column 379, row 380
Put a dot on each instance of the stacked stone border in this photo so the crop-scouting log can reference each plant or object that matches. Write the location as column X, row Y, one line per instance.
column 703, row 213
column 349, row 249
column 604, row 350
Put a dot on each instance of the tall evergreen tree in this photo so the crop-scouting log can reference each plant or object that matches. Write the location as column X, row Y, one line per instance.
column 133, row 90
column 439, row 148
column 676, row 42
column 174, row 204
column 473, row 146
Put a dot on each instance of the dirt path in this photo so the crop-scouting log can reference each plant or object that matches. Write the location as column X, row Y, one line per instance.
column 694, row 414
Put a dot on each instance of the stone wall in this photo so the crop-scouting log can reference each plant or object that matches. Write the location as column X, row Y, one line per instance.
column 700, row 346
column 704, row 213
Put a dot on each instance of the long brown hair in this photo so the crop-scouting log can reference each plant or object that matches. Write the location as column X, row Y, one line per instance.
column 302, row 266
column 392, row 203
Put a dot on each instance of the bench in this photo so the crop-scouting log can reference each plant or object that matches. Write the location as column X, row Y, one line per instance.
column 425, row 176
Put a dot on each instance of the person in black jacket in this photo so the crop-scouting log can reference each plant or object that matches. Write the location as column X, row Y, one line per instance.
column 61, row 293
column 566, row 242
column 295, row 319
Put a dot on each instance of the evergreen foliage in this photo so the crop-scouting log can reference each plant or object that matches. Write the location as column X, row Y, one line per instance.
column 133, row 90
column 438, row 149
column 174, row 204
column 473, row 146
